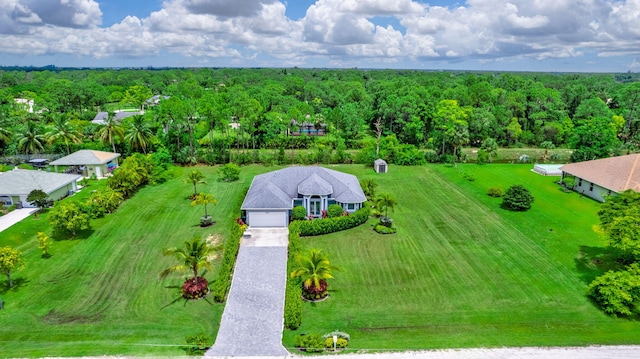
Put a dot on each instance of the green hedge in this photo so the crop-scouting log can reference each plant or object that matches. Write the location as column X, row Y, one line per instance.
column 329, row 225
column 293, row 297
column 223, row 280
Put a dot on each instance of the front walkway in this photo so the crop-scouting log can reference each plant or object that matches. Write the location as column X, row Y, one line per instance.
column 14, row 217
column 252, row 321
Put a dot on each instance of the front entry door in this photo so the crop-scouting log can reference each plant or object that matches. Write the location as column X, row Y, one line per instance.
column 315, row 207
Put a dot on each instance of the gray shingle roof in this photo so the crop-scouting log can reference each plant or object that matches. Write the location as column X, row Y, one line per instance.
column 101, row 117
column 86, row 157
column 277, row 189
column 22, row 182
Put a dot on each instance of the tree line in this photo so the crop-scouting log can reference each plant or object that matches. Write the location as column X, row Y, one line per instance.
column 220, row 115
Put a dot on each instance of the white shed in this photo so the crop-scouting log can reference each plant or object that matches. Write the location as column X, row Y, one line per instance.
column 380, row 166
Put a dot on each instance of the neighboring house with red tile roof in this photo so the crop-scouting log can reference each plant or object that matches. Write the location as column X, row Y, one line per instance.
column 608, row 176
column 89, row 162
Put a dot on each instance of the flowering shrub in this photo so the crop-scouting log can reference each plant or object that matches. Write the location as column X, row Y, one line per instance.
column 330, row 225
column 195, row 288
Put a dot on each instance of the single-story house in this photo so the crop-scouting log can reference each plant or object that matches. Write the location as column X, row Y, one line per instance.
column 15, row 185
column 89, row 162
column 380, row 166
column 604, row 177
column 273, row 195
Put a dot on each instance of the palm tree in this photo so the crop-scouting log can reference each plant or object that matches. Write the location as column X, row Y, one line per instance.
column 386, row 201
column 195, row 255
column 110, row 131
column 314, row 268
column 204, row 199
column 194, row 178
column 31, row 139
column 369, row 188
column 138, row 134
column 547, row 145
column 63, row 131
column 5, row 132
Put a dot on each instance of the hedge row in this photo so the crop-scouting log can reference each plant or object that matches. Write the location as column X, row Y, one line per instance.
column 222, row 282
column 293, row 298
column 329, row 225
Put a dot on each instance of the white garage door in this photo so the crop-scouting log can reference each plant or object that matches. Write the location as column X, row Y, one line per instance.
column 267, row 219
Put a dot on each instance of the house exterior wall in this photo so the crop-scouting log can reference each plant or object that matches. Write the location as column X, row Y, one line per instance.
column 591, row 190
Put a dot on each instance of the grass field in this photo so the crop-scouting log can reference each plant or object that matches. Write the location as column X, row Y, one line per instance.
column 100, row 295
column 463, row 272
column 460, row 272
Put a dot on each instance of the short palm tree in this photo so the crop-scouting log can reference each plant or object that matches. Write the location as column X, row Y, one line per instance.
column 138, row 134
column 111, row 131
column 386, row 201
column 195, row 177
column 204, row 199
column 313, row 268
column 194, row 256
column 369, row 188
column 64, row 132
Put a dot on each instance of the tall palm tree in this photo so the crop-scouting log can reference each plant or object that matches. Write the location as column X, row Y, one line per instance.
column 195, row 177
column 386, row 201
column 195, row 255
column 314, row 268
column 138, row 134
column 5, row 131
column 63, row 131
column 111, row 131
column 31, row 140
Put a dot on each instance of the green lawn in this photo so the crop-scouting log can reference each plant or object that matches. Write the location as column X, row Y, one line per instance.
column 463, row 272
column 100, row 295
column 460, row 272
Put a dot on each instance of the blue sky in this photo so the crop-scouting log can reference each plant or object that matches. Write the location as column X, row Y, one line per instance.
column 514, row 35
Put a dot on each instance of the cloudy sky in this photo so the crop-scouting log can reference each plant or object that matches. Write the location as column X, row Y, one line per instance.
column 527, row 35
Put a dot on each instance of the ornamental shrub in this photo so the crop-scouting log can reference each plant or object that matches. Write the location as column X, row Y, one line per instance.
column 517, row 198
column 229, row 172
column 298, row 213
column 569, row 182
column 293, row 305
column 341, row 343
column 311, row 343
column 386, row 221
column 334, row 210
column 495, row 192
column 198, row 344
column 384, row 229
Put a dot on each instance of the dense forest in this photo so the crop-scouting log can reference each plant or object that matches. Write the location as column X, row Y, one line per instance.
column 351, row 115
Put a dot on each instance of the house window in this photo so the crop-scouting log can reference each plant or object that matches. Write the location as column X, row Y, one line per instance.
column 351, row 206
column 580, row 182
column 591, row 187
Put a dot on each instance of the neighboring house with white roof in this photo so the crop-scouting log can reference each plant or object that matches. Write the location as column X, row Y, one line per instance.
column 89, row 162
column 604, row 177
column 273, row 195
column 101, row 117
column 15, row 185
column 25, row 103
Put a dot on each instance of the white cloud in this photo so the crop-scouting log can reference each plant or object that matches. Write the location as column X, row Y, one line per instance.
column 331, row 30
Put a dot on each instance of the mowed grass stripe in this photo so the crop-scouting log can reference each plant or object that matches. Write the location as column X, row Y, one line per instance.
column 101, row 295
column 461, row 271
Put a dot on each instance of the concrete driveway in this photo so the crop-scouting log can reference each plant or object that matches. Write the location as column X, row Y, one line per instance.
column 14, row 217
column 252, row 321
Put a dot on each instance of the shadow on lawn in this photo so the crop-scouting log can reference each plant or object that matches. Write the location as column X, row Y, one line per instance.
column 64, row 236
column 17, row 283
column 592, row 262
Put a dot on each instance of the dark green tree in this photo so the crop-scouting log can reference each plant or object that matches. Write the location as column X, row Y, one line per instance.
column 517, row 198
